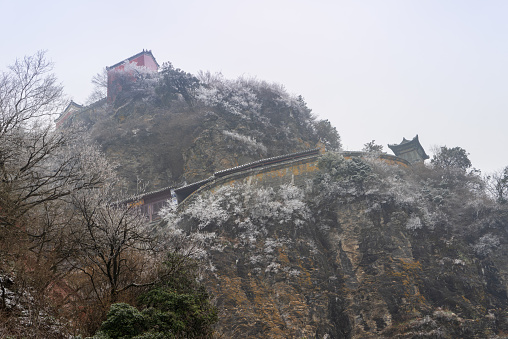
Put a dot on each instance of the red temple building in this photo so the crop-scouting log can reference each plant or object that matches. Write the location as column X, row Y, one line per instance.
column 143, row 62
column 69, row 111
column 144, row 59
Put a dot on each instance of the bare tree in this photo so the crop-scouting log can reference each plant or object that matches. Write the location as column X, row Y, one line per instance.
column 36, row 164
column 497, row 185
column 112, row 244
column 60, row 227
column 100, row 83
column 28, row 90
column 39, row 170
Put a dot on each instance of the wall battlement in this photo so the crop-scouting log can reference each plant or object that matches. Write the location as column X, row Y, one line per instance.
column 294, row 168
column 293, row 171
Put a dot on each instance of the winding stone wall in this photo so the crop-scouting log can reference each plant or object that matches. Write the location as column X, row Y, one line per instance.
column 295, row 171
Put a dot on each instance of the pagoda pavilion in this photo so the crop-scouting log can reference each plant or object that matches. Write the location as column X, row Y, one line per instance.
column 410, row 150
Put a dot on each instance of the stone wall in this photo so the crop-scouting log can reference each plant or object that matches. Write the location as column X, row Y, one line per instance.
column 295, row 172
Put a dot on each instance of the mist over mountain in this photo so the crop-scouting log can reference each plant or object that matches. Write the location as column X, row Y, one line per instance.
column 355, row 248
column 181, row 128
column 358, row 248
column 277, row 232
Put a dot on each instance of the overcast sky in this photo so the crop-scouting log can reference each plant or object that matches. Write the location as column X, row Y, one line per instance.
column 378, row 70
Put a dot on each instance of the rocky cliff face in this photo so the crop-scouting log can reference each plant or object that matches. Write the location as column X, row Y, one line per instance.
column 223, row 123
column 360, row 250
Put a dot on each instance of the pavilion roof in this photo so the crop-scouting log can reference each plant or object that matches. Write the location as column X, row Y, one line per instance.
column 134, row 57
column 406, row 145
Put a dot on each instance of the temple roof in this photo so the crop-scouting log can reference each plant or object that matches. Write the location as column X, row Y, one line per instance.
column 72, row 106
column 407, row 146
column 134, row 57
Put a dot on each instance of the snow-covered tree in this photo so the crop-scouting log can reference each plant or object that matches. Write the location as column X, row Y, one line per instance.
column 497, row 184
column 455, row 158
column 372, row 147
column 175, row 83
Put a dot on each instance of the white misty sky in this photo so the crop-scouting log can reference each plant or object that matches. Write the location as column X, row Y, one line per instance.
column 377, row 69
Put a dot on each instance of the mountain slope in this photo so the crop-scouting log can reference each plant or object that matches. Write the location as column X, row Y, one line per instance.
column 359, row 249
column 177, row 131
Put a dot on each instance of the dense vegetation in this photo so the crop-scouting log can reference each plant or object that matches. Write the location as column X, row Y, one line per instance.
column 360, row 249
column 363, row 249
column 162, row 127
column 68, row 249
column 74, row 260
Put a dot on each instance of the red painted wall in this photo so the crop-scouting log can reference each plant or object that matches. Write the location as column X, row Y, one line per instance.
column 148, row 62
column 144, row 59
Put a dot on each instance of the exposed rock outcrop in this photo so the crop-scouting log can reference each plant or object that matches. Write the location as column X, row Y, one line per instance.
column 229, row 123
column 337, row 258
